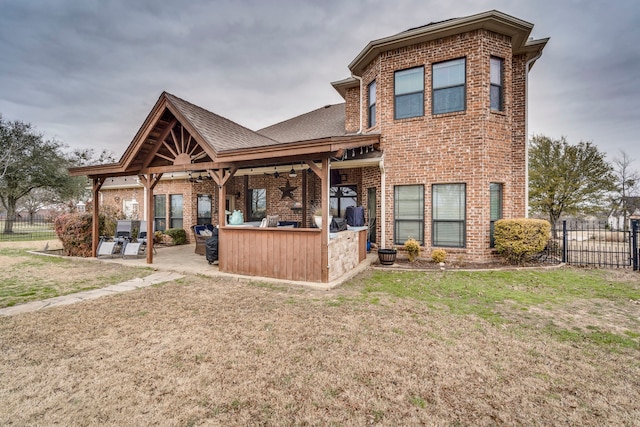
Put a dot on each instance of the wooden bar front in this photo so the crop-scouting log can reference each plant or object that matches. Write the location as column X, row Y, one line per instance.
column 281, row 253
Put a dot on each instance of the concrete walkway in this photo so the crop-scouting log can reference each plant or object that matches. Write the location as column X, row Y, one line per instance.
column 130, row 285
column 170, row 263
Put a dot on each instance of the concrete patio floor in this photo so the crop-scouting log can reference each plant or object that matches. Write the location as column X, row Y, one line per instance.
column 182, row 259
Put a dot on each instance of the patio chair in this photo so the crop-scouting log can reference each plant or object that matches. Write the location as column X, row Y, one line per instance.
column 201, row 233
column 137, row 247
column 106, row 247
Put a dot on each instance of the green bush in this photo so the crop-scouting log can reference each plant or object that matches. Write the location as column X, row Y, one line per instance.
column 178, row 235
column 75, row 230
column 439, row 255
column 413, row 249
column 519, row 238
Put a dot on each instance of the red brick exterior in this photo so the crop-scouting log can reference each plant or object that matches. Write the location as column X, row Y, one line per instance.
column 476, row 146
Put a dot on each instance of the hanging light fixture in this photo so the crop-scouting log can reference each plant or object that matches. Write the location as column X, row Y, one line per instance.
column 292, row 172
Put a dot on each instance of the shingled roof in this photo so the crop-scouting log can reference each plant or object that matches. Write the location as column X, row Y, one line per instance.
column 220, row 133
column 324, row 122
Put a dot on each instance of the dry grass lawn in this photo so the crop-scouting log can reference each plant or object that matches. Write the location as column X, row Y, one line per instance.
column 210, row 352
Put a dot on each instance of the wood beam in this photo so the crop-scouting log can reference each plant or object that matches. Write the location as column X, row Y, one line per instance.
column 158, row 143
column 95, row 225
column 314, row 168
column 150, row 182
column 325, row 220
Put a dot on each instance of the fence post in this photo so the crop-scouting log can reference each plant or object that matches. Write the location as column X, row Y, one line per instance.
column 634, row 243
column 565, row 240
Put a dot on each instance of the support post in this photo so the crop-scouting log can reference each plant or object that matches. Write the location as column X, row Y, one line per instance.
column 635, row 225
column 325, row 220
column 150, row 181
column 95, row 232
column 565, row 240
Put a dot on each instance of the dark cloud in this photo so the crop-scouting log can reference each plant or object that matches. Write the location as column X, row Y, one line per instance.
column 89, row 72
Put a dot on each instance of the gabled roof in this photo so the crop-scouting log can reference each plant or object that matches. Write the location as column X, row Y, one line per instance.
column 325, row 122
column 220, row 133
column 492, row 20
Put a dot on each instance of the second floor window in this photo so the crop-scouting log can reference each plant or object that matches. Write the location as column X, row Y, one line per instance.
column 497, row 103
column 449, row 81
column 372, row 104
column 409, row 93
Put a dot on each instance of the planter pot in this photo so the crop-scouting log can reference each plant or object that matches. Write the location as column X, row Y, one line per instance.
column 387, row 256
column 318, row 220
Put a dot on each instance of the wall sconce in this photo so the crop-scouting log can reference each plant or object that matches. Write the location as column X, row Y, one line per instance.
column 116, row 199
column 238, row 194
column 343, row 177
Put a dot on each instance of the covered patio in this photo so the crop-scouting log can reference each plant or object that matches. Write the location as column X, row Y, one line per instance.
column 179, row 137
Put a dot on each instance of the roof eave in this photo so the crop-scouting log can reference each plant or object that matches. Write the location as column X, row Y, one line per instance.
column 493, row 20
column 341, row 86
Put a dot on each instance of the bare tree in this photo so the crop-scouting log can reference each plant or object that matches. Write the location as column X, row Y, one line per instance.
column 627, row 181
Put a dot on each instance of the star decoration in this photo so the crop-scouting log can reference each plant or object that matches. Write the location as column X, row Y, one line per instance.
column 287, row 191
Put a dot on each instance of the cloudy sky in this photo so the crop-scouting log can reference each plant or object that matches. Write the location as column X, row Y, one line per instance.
column 88, row 72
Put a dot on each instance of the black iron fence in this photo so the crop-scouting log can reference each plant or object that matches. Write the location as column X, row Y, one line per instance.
column 22, row 228
column 593, row 243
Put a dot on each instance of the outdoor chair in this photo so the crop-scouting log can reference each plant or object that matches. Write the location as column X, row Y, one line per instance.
column 137, row 247
column 201, row 233
column 106, row 247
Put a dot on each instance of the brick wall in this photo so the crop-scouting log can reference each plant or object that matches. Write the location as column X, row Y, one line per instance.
column 475, row 146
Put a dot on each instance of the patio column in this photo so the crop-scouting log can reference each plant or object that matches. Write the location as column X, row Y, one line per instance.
column 95, row 232
column 325, row 219
column 150, row 181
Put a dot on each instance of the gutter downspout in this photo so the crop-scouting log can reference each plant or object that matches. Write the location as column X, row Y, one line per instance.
column 526, row 133
column 360, row 80
column 383, row 204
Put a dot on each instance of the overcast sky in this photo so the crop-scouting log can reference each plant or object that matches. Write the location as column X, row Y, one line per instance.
column 88, row 72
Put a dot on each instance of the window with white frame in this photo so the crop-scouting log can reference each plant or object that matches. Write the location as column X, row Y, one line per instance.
column 497, row 93
column 408, row 213
column 409, row 93
column 449, row 215
column 449, row 86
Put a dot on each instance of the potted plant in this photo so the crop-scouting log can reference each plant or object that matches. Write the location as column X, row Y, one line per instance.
column 317, row 216
column 387, row 256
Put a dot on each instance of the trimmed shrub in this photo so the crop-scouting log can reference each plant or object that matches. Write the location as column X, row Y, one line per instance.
column 178, row 235
column 439, row 255
column 413, row 249
column 74, row 231
column 519, row 238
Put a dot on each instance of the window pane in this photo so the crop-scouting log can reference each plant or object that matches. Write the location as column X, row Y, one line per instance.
column 406, row 230
column 160, row 212
column 372, row 93
column 449, row 201
column 408, row 81
column 448, row 100
column 175, row 213
column 496, row 98
column 160, row 206
column 496, row 201
column 496, row 71
column 409, row 213
column 204, row 209
column 258, row 203
column 341, row 197
column 409, row 105
column 448, row 234
column 450, row 73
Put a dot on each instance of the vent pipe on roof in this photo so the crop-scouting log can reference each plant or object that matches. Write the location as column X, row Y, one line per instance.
column 360, row 80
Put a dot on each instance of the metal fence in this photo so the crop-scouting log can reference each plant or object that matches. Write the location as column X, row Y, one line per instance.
column 23, row 228
column 593, row 243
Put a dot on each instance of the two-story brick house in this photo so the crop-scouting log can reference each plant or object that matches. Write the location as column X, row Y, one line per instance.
column 431, row 138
